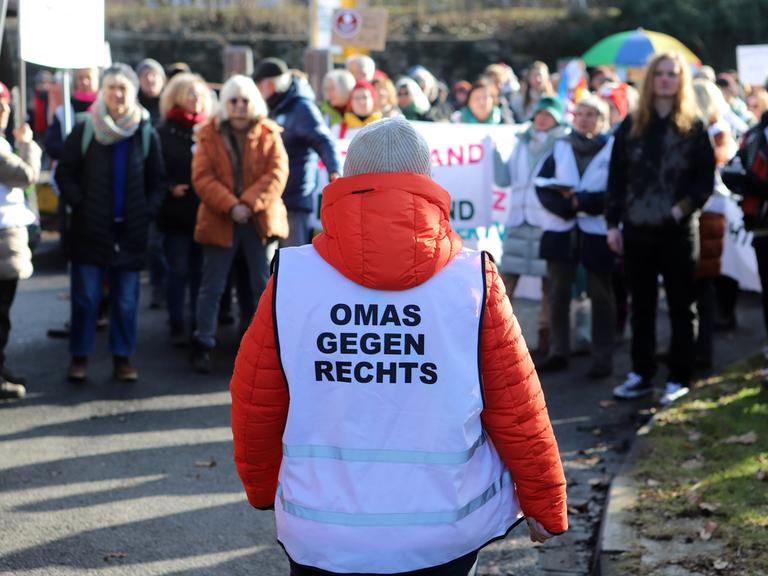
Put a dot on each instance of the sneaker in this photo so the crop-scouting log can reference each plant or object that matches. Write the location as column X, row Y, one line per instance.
column 553, row 364
column 11, row 390
column 123, row 371
column 201, row 359
column 672, row 393
column 635, row 386
column 78, row 369
column 9, row 376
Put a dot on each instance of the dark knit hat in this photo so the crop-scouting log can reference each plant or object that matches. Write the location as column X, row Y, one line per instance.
column 270, row 68
column 150, row 64
column 388, row 145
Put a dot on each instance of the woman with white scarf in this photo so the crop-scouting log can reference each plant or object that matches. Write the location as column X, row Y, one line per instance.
column 110, row 173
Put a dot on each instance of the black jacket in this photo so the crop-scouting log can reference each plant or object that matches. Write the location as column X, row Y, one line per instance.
column 652, row 173
column 85, row 182
column 177, row 214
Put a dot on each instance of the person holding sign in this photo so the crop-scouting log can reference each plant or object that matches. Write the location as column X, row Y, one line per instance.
column 383, row 399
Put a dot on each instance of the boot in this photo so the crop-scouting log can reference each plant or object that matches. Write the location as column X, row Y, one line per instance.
column 78, row 369
column 201, row 359
column 123, row 371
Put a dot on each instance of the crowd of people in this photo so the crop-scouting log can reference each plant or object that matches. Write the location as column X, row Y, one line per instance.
column 612, row 186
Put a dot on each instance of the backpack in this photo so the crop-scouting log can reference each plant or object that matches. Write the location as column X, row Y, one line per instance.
column 146, row 135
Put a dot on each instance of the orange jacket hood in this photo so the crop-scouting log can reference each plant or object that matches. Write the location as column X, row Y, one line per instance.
column 387, row 231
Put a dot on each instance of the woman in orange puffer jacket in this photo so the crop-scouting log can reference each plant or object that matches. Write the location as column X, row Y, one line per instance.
column 387, row 229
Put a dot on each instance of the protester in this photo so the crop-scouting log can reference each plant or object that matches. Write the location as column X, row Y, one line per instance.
column 110, row 172
column 571, row 187
column 617, row 97
column 535, row 86
column 176, row 68
column 738, row 115
column 712, row 222
column 239, row 172
column 392, row 500
column 661, row 173
column 480, row 107
column 523, row 228
column 305, row 136
column 16, row 173
column 39, row 112
column 439, row 109
column 411, row 100
column 337, row 84
column 386, row 97
column 361, row 67
column 757, row 102
column 749, row 177
column 507, row 85
column 151, row 81
column 86, row 86
column 361, row 111
column 186, row 103
column 459, row 93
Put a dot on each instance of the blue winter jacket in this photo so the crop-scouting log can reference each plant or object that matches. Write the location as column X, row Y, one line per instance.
column 305, row 135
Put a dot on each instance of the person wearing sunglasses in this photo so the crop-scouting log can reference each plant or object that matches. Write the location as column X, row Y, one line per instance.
column 239, row 171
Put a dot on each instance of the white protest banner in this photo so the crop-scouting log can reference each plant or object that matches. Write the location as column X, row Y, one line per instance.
column 62, row 34
column 739, row 261
column 752, row 63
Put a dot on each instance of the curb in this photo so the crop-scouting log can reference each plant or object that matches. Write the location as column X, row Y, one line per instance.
column 617, row 553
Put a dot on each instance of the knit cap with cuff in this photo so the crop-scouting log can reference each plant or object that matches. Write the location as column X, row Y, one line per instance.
column 388, row 145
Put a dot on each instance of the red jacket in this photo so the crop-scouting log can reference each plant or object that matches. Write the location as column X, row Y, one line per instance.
column 396, row 236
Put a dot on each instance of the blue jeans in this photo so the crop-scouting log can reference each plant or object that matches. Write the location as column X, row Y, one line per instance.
column 158, row 266
column 87, row 286
column 217, row 262
column 185, row 268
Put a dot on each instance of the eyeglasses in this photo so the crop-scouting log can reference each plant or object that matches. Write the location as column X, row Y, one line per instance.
column 234, row 101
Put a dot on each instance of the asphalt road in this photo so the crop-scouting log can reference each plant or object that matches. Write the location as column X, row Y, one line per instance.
column 116, row 479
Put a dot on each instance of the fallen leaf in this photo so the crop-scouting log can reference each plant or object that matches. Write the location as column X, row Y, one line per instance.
column 748, row 438
column 694, row 436
column 114, row 556
column 762, row 475
column 707, row 530
column 652, row 483
column 709, row 508
column 721, row 564
column 205, row 463
column 607, row 403
column 691, row 464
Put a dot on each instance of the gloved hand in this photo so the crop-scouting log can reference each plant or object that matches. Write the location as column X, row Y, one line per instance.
column 240, row 214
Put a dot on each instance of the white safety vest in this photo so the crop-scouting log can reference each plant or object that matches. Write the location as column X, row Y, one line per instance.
column 594, row 179
column 524, row 204
column 386, row 467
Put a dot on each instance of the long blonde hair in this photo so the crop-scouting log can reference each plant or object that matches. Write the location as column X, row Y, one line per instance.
column 685, row 112
column 175, row 93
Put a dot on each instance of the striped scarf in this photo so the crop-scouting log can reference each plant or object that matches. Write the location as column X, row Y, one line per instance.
column 108, row 131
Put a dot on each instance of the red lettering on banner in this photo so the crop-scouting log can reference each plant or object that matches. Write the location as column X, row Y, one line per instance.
column 498, row 202
column 435, row 158
column 455, row 156
column 476, row 153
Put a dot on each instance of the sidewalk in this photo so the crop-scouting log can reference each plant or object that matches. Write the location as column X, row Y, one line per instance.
column 692, row 497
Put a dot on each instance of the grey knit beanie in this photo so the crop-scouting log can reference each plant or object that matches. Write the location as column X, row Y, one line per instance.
column 388, row 145
column 150, row 64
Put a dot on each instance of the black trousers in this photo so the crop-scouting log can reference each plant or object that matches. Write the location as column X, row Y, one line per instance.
column 459, row 567
column 7, row 294
column 671, row 251
column 761, row 251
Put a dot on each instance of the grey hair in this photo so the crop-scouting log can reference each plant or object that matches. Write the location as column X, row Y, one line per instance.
column 420, row 100
column 366, row 64
column 244, row 87
column 119, row 72
column 343, row 80
column 598, row 105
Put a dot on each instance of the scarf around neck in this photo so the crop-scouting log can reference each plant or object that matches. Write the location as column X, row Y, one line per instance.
column 467, row 117
column 107, row 130
column 585, row 149
column 185, row 118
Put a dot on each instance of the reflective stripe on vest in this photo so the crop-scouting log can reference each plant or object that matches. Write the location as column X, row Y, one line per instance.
column 386, row 467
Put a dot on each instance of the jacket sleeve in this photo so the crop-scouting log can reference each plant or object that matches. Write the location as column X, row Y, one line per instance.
column 154, row 174
column 54, row 143
column 515, row 414
column 317, row 135
column 259, row 407
column 550, row 197
column 69, row 167
column 211, row 191
column 271, row 184
column 702, row 173
column 22, row 170
column 617, row 176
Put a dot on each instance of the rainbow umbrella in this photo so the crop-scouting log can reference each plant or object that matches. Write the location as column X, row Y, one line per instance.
column 634, row 48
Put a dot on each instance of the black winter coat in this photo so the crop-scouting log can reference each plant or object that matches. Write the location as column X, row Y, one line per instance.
column 177, row 214
column 85, row 182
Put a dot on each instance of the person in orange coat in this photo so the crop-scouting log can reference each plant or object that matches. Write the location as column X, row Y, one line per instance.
column 353, row 466
column 239, row 171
